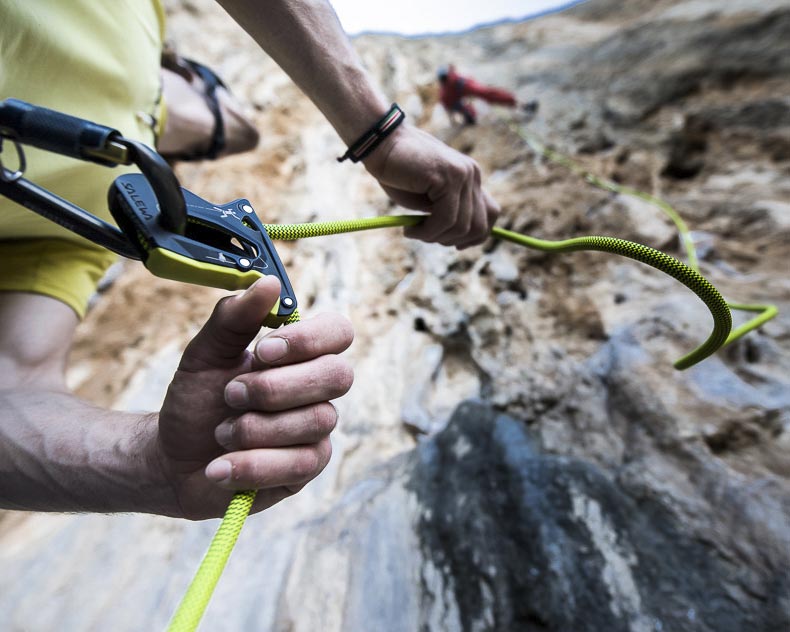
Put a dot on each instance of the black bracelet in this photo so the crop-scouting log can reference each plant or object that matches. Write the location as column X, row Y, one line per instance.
column 373, row 137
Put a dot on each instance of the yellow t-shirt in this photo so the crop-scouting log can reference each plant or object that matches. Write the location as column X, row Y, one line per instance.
column 95, row 60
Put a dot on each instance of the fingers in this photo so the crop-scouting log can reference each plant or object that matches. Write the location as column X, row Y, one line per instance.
column 280, row 437
column 291, row 386
column 303, row 367
column 462, row 213
column 266, row 468
column 420, row 172
column 305, row 340
column 273, row 450
column 233, row 324
column 492, row 211
column 306, row 425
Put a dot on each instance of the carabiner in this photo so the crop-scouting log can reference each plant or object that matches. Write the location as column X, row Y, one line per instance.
column 12, row 176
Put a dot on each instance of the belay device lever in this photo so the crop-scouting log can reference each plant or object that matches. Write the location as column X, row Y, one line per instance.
column 177, row 234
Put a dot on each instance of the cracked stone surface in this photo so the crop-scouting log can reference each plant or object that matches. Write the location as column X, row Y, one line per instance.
column 517, row 452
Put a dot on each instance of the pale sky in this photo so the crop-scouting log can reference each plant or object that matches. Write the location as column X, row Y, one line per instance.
column 414, row 17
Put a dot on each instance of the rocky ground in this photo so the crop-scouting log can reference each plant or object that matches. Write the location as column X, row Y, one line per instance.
column 517, row 452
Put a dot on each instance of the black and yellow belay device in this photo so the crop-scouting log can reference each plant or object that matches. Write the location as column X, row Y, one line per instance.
column 176, row 234
column 180, row 236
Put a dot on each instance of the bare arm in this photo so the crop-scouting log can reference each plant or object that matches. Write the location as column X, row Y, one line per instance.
column 59, row 453
column 307, row 41
column 415, row 169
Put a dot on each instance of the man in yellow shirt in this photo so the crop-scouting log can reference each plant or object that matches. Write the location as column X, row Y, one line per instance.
column 232, row 419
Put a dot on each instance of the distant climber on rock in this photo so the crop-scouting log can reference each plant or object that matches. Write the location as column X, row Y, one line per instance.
column 455, row 90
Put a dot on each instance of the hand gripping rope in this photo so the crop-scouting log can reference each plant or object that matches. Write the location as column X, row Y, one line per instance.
column 180, row 236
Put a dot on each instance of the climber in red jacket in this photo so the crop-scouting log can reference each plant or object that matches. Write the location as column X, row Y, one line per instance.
column 454, row 88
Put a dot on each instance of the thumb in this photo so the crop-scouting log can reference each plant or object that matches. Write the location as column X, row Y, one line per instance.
column 233, row 324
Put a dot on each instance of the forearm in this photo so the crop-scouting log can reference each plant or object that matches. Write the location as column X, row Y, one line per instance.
column 59, row 453
column 307, row 41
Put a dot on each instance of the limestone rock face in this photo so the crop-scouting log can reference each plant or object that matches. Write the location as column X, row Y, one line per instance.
column 532, row 541
column 517, row 452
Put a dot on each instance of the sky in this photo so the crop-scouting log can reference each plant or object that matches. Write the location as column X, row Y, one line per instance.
column 415, row 17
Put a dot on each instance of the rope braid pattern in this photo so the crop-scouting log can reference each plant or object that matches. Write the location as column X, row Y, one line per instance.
column 197, row 596
column 292, row 232
column 722, row 319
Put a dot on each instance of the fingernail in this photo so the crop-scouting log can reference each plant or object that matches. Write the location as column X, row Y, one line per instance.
column 219, row 470
column 271, row 349
column 236, row 395
column 223, row 434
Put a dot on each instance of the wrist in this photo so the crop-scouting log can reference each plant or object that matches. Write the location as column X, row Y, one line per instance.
column 375, row 135
column 157, row 492
column 356, row 108
column 126, row 466
column 62, row 454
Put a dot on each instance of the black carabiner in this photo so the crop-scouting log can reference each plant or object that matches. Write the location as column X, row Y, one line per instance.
column 68, row 135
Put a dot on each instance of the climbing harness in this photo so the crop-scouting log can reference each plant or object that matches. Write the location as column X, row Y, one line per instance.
column 178, row 235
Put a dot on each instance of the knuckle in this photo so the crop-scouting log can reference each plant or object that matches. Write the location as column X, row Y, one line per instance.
column 243, row 431
column 264, row 388
column 306, row 464
column 437, row 180
column 324, row 418
column 492, row 207
column 479, row 224
column 476, row 173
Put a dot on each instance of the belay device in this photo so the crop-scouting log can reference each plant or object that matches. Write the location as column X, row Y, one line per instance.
column 223, row 246
column 175, row 233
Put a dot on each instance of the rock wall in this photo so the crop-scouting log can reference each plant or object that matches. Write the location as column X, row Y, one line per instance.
column 517, row 452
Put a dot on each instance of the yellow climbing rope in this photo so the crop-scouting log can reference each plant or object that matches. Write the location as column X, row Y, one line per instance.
column 692, row 279
column 194, row 602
